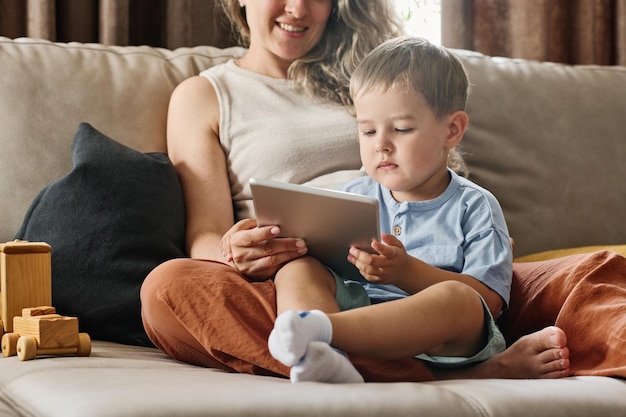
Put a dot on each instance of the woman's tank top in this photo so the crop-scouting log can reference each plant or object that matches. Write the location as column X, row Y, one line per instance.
column 270, row 130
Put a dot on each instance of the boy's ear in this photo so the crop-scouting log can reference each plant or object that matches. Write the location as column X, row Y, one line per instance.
column 457, row 125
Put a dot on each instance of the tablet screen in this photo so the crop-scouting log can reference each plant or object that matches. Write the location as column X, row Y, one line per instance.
column 329, row 221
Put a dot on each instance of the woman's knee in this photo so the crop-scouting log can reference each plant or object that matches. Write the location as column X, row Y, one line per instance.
column 158, row 280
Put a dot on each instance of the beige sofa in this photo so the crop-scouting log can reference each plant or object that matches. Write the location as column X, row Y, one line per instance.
column 547, row 139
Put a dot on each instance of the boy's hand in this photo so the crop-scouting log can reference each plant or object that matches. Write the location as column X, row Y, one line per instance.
column 387, row 266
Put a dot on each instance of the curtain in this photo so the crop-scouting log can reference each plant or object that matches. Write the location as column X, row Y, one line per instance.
column 164, row 23
column 567, row 31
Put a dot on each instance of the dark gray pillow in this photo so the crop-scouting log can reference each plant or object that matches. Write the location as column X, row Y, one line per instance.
column 118, row 214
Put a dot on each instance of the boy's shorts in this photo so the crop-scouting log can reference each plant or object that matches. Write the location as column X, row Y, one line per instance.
column 351, row 294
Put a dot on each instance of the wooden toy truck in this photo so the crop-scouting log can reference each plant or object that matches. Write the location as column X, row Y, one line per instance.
column 40, row 331
column 25, row 279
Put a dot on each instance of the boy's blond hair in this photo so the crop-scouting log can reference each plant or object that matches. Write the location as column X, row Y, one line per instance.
column 415, row 63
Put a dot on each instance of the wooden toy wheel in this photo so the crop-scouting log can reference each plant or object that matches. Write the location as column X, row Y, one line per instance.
column 9, row 344
column 26, row 348
column 84, row 345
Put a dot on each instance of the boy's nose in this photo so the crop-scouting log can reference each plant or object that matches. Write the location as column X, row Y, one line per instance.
column 382, row 145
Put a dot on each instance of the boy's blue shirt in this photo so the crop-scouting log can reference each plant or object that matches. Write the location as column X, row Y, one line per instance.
column 462, row 230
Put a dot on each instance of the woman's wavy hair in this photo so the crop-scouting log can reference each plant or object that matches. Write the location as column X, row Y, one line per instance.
column 354, row 28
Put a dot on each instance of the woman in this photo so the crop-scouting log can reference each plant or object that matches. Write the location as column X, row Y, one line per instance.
column 279, row 112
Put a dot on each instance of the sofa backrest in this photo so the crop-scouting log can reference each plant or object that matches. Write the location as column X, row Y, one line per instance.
column 47, row 89
column 548, row 140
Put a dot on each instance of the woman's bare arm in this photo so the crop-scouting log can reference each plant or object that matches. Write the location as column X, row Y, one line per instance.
column 194, row 148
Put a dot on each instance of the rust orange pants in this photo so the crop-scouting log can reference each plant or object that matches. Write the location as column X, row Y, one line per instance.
column 206, row 313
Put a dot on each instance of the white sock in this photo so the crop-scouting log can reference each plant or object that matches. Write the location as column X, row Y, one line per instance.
column 294, row 330
column 323, row 363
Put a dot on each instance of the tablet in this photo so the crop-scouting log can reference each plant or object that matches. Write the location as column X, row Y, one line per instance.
column 329, row 221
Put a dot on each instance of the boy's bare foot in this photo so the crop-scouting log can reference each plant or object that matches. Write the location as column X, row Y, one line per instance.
column 543, row 354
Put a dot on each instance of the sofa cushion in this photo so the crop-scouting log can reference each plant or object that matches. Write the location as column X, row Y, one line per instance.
column 133, row 381
column 110, row 221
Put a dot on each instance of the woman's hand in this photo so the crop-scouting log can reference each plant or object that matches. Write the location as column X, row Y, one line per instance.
column 388, row 266
column 258, row 252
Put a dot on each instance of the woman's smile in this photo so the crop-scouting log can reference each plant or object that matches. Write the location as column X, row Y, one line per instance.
column 291, row 28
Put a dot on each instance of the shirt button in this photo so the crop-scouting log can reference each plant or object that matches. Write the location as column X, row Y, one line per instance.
column 397, row 230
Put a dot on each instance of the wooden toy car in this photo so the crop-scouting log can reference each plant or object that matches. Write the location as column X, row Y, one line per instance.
column 40, row 331
column 25, row 279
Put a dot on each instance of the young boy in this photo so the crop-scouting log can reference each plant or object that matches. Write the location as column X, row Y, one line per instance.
column 443, row 269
